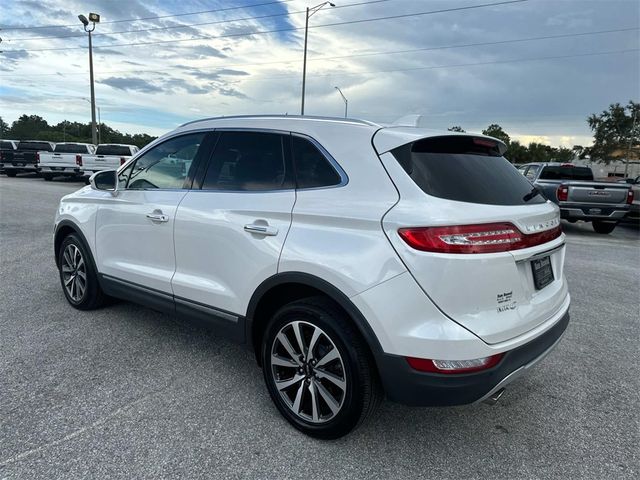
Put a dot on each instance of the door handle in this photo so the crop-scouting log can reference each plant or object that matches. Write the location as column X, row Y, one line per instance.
column 261, row 230
column 158, row 216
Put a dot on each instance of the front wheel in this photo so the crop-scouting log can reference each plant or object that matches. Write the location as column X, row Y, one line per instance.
column 47, row 176
column 603, row 227
column 11, row 174
column 78, row 276
column 318, row 370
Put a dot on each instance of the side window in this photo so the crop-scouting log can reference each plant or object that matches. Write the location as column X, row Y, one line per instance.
column 531, row 173
column 166, row 165
column 312, row 167
column 249, row 161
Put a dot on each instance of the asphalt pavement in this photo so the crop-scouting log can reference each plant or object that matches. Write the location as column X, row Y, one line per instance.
column 125, row 392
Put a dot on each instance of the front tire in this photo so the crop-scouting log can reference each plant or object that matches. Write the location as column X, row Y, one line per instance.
column 318, row 369
column 10, row 174
column 47, row 176
column 603, row 227
column 78, row 277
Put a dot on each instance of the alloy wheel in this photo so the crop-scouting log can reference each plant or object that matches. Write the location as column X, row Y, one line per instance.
column 74, row 272
column 308, row 371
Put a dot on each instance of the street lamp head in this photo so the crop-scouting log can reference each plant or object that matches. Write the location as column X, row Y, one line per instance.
column 94, row 17
column 83, row 19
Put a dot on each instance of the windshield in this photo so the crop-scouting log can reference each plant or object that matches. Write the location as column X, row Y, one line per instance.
column 465, row 169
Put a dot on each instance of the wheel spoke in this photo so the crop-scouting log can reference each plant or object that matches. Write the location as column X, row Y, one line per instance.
column 332, row 355
column 287, row 346
column 283, row 362
column 67, row 257
column 66, row 268
column 314, row 401
column 76, row 254
column 337, row 381
column 82, row 275
column 80, row 263
column 312, row 343
column 291, row 381
column 326, row 396
column 68, row 281
column 298, row 334
column 298, row 399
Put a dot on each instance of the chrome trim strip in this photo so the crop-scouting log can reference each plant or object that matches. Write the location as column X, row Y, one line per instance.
column 207, row 309
column 520, row 371
column 546, row 253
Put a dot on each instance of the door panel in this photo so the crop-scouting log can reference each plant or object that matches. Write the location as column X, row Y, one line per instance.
column 219, row 262
column 133, row 247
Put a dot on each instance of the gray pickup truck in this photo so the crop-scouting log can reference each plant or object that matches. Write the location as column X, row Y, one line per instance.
column 572, row 187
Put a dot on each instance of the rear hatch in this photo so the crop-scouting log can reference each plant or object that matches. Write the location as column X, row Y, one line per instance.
column 482, row 244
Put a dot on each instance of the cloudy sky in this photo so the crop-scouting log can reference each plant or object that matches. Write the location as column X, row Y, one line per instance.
column 537, row 67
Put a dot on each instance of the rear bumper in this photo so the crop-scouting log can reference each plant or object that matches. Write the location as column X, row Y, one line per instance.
column 61, row 170
column 28, row 167
column 404, row 385
column 593, row 212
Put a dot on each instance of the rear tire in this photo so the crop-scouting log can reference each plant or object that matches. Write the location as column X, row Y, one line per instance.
column 47, row 176
column 78, row 277
column 327, row 386
column 11, row 174
column 603, row 227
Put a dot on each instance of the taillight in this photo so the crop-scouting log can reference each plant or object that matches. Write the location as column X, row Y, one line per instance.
column 79, row 160
column 562, row 193
column 485, row 238
column 454, row 366
column 122, row 160
column 630, row 197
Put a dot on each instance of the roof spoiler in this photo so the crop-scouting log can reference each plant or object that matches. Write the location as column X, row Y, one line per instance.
column 408, row 121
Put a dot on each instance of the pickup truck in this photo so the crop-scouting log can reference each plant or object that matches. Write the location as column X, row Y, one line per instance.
column 108, row 156
column 7, row 147
column 634, row 212
column 572, row 187
column 26, row 157
column 65, row 159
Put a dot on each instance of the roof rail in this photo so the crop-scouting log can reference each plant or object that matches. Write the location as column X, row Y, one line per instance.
column 285, row 116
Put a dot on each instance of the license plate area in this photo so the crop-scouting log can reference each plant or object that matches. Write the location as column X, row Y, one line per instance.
column 542, row 272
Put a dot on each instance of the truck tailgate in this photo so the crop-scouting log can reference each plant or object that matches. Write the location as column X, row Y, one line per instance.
column 600, row 193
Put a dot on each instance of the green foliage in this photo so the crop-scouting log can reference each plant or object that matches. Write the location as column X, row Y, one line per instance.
column 494, row 130
column 615, row 131
column 33, row 127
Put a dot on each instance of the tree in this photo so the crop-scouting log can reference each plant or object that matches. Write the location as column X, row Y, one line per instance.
column 614, row 131
column 4, row 128
column 496, row 131
column 564, row 155
column 29, row 127
column 456, row 128
column 517, row 153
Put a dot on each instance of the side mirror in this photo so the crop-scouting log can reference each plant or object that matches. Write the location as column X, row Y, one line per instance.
column 105, row 180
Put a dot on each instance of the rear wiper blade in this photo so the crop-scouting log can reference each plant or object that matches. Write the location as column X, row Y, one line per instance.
column 533, row 193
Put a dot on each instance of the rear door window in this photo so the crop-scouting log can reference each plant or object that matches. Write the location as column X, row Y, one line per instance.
column 566, row 172
column 249, row 161
column 532, row 171
column 464, row 169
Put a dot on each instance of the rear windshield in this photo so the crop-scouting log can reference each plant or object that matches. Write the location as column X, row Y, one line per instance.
column 466, row 170
column 38, row 146
column 113, row 150
column 6, row 145
column 70, row 148
column 565, row 172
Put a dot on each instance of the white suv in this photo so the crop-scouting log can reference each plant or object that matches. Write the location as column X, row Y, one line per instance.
column 356, row 260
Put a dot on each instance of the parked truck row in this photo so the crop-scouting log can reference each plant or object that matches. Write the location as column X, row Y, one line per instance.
column 68, row 159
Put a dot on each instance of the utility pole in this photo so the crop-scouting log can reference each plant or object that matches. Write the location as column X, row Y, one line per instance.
column 310, row 12
column 346, row 102
column 633, row 127
column 93, row 18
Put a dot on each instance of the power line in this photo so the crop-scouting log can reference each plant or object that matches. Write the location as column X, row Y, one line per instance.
column 278, row 30
column 9, row 27
column 190, row 25
column 356, row 55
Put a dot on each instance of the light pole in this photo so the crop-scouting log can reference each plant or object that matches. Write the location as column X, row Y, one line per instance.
column 310, row 12
column 346, row 102
column 99, row 121
column 93, row 18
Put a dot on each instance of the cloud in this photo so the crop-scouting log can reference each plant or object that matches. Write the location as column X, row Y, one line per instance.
column 131, row 84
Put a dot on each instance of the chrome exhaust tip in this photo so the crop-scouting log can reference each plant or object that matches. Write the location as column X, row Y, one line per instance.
column 493, row 399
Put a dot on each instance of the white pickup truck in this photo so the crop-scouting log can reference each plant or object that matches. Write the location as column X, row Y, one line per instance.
column 65, row 160
column 108, row 156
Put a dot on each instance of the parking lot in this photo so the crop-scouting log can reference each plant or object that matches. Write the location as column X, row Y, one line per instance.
column 125, row 392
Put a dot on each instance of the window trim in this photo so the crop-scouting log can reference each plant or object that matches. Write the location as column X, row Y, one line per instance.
column 188, row 181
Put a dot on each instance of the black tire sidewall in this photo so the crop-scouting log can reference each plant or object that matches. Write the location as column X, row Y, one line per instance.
column 603, row 227
column 91, row 293
column 353, row 404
